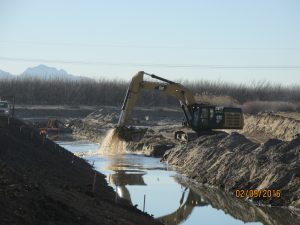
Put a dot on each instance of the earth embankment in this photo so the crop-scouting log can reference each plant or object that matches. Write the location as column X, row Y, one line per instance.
column 42, row 183
column 233, row 162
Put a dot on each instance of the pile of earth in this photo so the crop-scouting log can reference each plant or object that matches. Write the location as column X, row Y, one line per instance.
column 263, row 126
column 233, row 162
column 42, row 183
column 155, row 142
column 95, row 125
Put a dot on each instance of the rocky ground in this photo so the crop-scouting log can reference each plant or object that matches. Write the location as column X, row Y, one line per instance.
column 42, row 183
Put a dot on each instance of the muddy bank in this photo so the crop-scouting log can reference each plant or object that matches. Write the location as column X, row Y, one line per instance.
column 95, row 125
column 232, row 162
column 42, row 183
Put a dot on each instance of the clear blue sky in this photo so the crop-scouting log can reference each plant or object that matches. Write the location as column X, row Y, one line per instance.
column 172, row 38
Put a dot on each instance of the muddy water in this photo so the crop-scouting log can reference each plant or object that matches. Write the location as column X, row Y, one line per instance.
column 169, row 197
column 112, row 145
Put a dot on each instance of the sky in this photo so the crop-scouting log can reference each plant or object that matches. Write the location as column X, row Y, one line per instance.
column 227, row 40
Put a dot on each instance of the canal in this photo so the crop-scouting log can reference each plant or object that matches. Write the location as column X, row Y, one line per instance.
column 153, row 187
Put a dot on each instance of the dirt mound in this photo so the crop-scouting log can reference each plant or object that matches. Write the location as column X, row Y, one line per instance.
column 102, row 118
column 272, row 125
column 42, row 183
column 233, row 162
column 95, row 125
column 154, row 143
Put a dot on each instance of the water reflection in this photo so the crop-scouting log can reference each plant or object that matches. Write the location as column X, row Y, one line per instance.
column 188, row 200
column 185, row 208
column 194, row 198
column 241, row 210
column 121, row 178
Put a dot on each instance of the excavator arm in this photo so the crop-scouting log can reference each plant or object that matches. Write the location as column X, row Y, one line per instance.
column 185, row 96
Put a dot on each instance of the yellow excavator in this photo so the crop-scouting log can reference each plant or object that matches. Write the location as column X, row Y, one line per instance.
column 200, row 118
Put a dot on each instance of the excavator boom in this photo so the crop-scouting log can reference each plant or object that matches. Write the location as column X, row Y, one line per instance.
column 185, row 96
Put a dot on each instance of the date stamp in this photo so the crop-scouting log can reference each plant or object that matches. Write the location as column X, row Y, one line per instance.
column 254, row 193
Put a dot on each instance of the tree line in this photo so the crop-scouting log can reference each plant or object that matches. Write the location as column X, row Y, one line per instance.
column 112, row 92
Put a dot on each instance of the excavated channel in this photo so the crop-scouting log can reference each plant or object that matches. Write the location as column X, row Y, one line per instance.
column 151, row 186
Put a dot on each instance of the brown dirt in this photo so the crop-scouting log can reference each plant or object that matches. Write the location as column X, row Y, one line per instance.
column 234, row 162
column 42, row 183
column 263, row 126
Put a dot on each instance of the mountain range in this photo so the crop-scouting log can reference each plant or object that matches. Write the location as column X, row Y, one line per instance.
column 43, row 72
column 5, row 75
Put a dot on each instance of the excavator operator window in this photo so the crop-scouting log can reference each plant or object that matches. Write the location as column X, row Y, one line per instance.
column 211, row 113
column 196, row 115
column 204, row 114
column 204, row 117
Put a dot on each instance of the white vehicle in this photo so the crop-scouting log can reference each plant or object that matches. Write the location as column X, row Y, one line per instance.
column 4, row 109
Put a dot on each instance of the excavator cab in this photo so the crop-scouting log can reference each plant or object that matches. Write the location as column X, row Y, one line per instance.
column 207, row 117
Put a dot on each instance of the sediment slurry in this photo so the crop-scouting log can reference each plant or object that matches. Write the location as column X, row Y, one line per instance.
column 232, row 162
column 42, row 183
column 112, row 144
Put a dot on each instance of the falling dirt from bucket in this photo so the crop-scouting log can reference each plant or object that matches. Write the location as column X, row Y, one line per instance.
column 112, row 144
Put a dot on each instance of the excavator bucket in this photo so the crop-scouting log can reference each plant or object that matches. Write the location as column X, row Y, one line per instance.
column 129, row 134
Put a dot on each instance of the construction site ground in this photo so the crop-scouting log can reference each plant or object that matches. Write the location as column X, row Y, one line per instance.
column 265, row 155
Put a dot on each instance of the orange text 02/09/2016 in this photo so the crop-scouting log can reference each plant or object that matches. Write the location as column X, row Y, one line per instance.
column 257, row 193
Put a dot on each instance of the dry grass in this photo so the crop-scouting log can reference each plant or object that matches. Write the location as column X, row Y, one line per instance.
column 271, row 106
column 217, row 100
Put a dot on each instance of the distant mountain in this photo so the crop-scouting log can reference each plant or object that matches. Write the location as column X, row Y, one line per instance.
column 46, row 72
column 5, row 75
